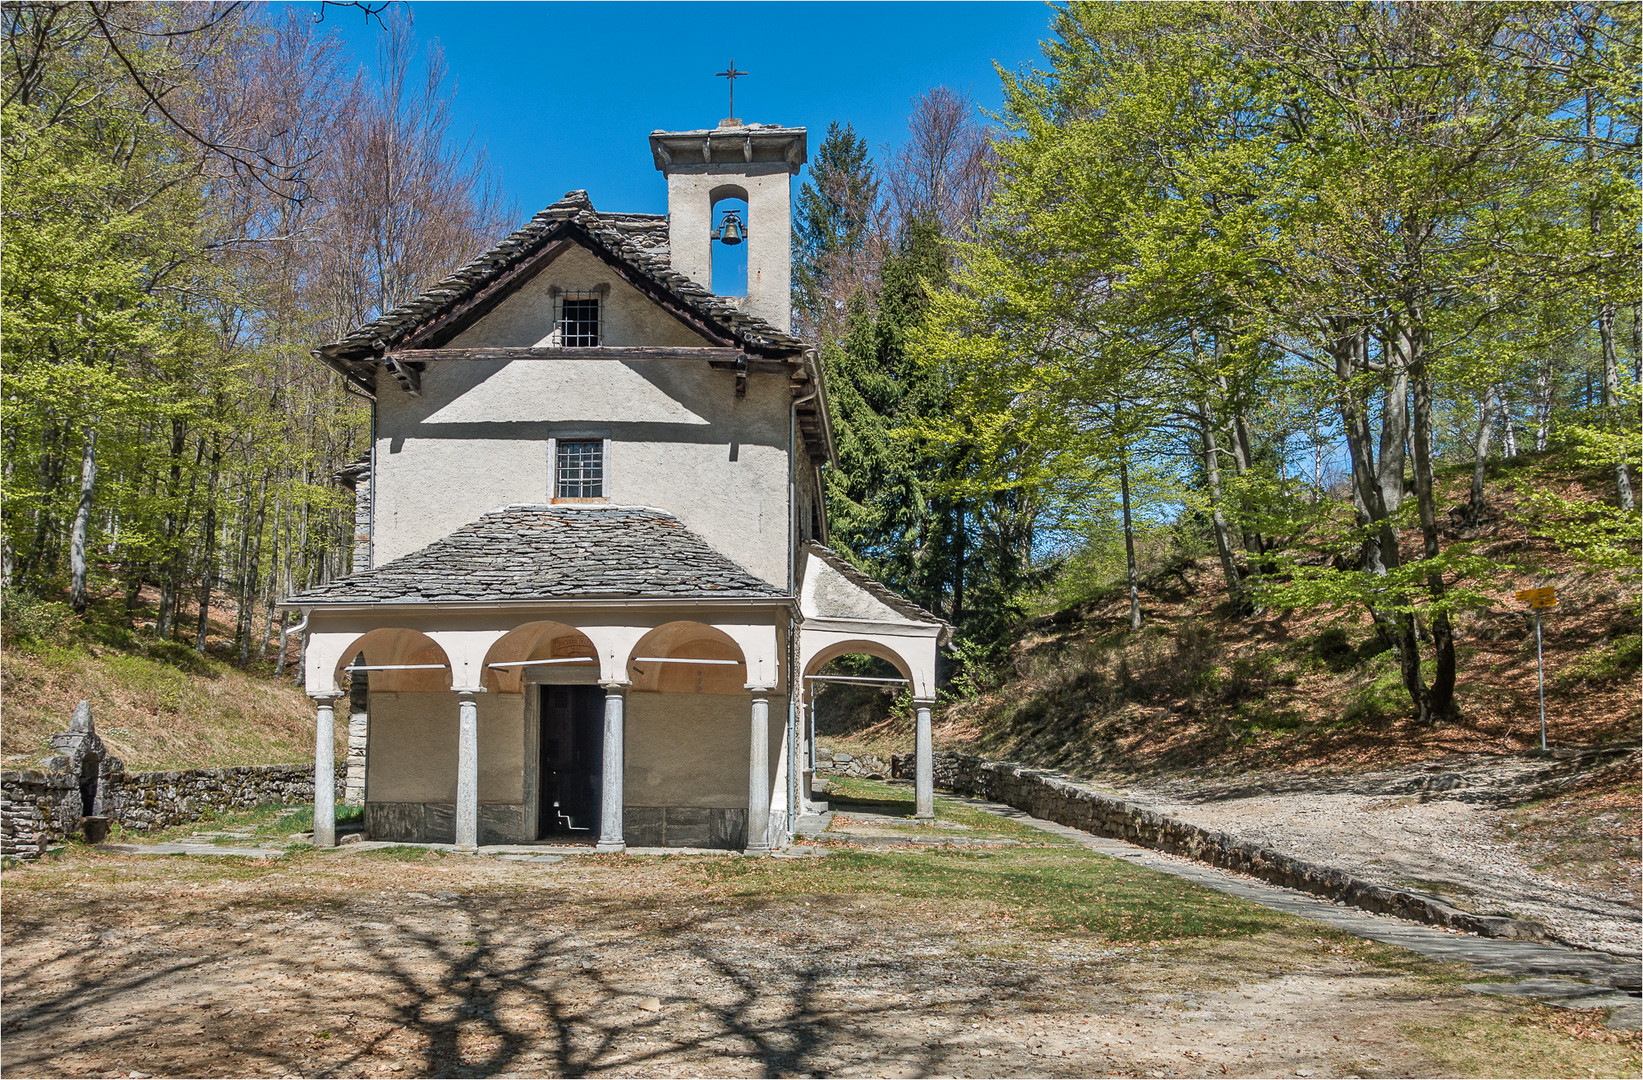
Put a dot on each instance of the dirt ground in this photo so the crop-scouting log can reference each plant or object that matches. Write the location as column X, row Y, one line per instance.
column 399, row 963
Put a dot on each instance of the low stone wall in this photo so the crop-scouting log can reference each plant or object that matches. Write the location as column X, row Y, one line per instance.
column 39, row 808
column 861, row 765
column 1053, row 797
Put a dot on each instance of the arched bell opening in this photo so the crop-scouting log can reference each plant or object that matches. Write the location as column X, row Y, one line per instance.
column 540, row 652
column 729, row 214
column 395, row 660
column 688, row 658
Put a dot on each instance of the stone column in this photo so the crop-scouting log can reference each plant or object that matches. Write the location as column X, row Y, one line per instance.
column 467, row 770
column 325, row 771
column 611, row 792
column 924, row 766
column 758, row 774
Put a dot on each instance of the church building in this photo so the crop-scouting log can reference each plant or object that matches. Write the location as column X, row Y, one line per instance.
column 591, row 584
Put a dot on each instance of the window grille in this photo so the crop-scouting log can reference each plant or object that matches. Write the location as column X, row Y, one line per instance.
column 579, row 320
column 580, row 470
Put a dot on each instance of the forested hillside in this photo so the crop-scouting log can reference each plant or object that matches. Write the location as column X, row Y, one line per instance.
column 196, row 196
column 1304, row 308
column 1264, row 288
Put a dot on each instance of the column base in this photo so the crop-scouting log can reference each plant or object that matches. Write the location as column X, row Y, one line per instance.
column 762, row 849
column 610, row 847
column 924, row 817
column 465, row 849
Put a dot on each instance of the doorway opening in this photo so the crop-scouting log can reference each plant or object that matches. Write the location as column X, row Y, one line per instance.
column 571, row 762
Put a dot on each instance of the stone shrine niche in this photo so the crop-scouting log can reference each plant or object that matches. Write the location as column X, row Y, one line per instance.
column 81, row 754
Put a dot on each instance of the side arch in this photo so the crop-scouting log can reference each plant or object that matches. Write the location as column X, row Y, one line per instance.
column 408, row 661
column 851, row 647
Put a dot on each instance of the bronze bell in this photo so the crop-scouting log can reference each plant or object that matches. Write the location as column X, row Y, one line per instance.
column 730, row 230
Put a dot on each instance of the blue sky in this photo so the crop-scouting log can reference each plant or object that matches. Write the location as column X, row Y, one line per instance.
column 563, row 95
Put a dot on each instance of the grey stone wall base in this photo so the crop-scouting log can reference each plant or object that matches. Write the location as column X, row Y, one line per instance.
column 38, row 808
column 684, row 827
column 1057, row 798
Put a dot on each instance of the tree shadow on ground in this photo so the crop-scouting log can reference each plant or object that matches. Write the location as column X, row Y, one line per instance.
column 488, row 986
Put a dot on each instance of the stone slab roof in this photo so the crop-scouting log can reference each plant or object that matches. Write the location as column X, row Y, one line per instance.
column 880, row 592
column 639, row 241
column 553, row 553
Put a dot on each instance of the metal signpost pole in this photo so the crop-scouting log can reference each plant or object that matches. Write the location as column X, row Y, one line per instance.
column 1541, row 599
column 1540, row 677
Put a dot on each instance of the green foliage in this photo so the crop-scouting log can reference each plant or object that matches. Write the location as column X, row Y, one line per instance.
column 26, row 619
column 1618, row 659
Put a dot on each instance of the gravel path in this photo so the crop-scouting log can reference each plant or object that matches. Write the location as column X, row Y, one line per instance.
column 1441, row 829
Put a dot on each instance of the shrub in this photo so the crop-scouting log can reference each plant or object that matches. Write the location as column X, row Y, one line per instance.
column 29, row 619
column 1334, row 648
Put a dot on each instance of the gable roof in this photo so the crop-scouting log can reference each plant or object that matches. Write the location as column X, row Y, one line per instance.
column 553, row 553
column 634, row 245
column 878, row 591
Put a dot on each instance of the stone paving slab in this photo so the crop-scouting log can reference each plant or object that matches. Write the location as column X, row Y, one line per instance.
column 1552, row 963
column 194, row 849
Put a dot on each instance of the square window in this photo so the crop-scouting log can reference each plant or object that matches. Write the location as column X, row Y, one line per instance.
column 579, row 471
column 578, row 320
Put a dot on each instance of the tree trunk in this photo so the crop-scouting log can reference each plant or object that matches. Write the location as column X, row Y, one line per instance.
column 168, row 594
column 1480, row 451
column 79, row 566
column 1543, row 404
column 1129, row 539
column 1223, row 539
column 208, row 541
column 1611, row 398
column 1440, row 697
column 1509, row 432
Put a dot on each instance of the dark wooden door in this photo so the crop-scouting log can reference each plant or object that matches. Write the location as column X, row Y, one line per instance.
column 572, row 748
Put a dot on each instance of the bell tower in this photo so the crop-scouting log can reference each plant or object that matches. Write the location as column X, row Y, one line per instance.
column 750, row 162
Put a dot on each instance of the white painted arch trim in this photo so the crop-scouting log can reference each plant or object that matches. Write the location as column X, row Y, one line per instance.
column 911, row 647
column 466, row 638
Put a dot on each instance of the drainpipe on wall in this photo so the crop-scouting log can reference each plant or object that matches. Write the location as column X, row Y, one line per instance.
column 795, row 682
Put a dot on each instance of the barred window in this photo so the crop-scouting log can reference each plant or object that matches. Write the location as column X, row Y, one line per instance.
column 579, row 320
column 580, row 469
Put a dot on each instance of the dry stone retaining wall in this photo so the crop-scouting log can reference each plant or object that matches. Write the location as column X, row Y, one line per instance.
column 39, row 808
column 861, row 765
column 1054, row 797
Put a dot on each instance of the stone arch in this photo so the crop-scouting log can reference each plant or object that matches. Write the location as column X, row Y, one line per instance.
column 659, row 661
column 866, row 646
column 390, row 647
column 546, row 640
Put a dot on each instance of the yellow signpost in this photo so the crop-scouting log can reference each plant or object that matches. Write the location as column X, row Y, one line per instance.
column 1541, row 599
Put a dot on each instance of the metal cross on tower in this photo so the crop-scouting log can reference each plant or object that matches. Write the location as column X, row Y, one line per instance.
column 732, row 74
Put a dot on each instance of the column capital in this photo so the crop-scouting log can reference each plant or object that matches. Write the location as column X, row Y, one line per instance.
column 615, row 685
column 468, row 691
column 924, row 702
column 325, row 697
column 759, row 689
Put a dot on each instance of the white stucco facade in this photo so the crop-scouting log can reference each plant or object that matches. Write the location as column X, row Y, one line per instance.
column 678, row 663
